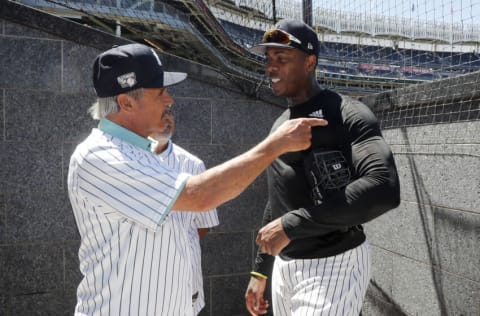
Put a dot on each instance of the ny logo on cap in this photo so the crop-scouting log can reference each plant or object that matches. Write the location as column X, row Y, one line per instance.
column 127, row 80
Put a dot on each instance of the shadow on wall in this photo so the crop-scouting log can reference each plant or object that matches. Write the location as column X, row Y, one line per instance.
column 446, row 236
column 426, row 212
column 394, row 309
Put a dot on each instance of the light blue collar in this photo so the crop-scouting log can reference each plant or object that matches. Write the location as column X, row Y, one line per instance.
column 124, row 134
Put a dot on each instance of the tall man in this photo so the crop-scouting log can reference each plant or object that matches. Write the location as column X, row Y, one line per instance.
column 197, row 224
column 312, row 236
column 134, row 257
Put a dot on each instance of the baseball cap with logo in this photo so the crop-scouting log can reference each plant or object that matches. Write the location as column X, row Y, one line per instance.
column 289, row 34
column 129, row 67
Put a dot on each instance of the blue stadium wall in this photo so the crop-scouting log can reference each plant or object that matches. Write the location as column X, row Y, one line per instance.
column 426, row 253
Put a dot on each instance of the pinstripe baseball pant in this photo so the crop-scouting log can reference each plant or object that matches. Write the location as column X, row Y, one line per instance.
column 326, row 286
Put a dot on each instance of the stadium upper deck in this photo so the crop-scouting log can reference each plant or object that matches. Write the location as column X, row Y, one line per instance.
column 359, row 53
column 369, row 60
column 369, row 52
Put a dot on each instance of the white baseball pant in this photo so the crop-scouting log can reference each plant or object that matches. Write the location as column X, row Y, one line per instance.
column 325, row 286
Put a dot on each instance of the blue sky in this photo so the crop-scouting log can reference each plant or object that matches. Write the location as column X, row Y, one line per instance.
column 446, row 11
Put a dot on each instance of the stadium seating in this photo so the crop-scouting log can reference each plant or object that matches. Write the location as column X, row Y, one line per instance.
column 340, row 58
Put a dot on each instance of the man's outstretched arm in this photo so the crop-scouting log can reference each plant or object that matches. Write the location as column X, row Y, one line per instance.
column 226, row 181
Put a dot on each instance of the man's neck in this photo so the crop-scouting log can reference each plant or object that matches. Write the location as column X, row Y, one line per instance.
column 125, row 122
column 161, row 148
column 311, row 89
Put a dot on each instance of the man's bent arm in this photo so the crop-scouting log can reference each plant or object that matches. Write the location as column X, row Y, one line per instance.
column 366, row 198
column 375, row 190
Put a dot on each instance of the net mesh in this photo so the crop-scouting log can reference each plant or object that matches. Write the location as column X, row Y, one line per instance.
column 418, row 52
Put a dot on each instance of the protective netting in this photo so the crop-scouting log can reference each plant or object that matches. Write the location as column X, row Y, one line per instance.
column 366, row 46
column 424, row 52
column 369, row 46
column 183, row 28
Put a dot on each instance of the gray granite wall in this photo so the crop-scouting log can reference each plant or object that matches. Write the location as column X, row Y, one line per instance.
column 426, row 253
column 45, row 90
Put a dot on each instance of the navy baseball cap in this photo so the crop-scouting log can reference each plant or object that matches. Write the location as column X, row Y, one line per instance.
column 129, row 67
column 289, row 34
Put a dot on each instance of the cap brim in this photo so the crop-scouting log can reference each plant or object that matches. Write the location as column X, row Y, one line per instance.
column 260, row 48
column 171, row 78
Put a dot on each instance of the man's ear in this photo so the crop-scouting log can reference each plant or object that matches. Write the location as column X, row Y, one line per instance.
column 126, row 102
column 311, row 63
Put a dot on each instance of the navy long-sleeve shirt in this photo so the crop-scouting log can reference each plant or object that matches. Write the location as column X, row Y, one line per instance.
column 334, row 226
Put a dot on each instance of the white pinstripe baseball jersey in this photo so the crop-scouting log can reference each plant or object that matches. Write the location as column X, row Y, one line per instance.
column 134, row 257
column 181, row 160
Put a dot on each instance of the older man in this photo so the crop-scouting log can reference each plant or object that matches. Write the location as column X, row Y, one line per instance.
column 134, row 257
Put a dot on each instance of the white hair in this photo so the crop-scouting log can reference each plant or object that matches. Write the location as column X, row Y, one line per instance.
column 106, row 106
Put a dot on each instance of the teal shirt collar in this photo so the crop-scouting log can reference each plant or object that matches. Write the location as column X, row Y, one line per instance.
column 124, row 134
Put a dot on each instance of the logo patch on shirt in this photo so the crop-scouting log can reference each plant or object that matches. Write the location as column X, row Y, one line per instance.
column 127, row 80
column 337, row 166
column 317, row 114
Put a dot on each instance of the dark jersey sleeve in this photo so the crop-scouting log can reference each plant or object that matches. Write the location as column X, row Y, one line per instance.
column 374, row 190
